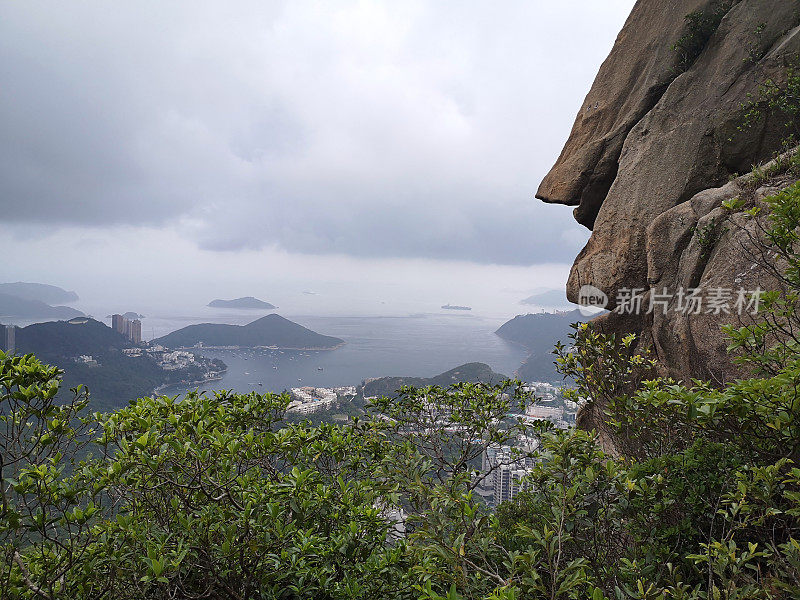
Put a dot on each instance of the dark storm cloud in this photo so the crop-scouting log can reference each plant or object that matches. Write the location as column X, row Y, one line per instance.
column 369, row 129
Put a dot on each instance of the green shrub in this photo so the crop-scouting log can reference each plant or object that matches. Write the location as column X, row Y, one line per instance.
column 700, row 26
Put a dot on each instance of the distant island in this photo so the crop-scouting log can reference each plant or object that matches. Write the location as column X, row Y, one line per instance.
column 39, row 292
column 26, row 308
column 452, row 307
column 248, row 302
column 550, row 298
column 470, row 372
column 270, row 331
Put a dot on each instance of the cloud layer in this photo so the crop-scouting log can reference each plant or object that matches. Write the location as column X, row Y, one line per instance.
column 402, row 129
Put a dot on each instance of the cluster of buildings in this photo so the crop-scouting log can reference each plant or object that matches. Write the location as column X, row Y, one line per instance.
column 306, row 400
column 177, row 359
column 131, row 329
column 557, row 415
column 550, row 405
column 505, row 469
column 186, row 366
column 8, row 338
column 86, row 359
column 169, row 360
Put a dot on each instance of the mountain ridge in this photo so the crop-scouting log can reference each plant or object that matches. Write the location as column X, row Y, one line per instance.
column 539, row 333
column 41, row 292
column 271, row 330
column 474, row 372
column 25, row 308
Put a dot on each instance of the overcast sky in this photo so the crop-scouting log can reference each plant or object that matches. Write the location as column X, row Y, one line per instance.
column 153, row 152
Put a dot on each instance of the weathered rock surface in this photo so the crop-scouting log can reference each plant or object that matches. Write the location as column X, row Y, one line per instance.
column 700, row 245
column 630, row 82
column 648, row 168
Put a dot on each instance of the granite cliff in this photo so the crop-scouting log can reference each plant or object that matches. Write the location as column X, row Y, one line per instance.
column 658, row 146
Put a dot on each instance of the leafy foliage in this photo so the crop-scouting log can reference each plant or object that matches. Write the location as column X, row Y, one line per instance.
column 700, row 26
column 48, row 500
column 779, row 98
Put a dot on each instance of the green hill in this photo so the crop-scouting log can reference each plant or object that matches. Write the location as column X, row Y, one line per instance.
column 70, row 338
column 113, row 378
column 271, row 330
column 539, row 333
column 469, row 372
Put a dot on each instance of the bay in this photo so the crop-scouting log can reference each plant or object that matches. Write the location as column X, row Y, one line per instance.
column 416, row 345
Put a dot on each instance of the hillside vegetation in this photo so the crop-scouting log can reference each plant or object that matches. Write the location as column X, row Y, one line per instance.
column 113, row 378
column 539, row 333
column 470, row 372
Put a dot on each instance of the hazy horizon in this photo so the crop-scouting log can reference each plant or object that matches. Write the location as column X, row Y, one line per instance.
column 382, row 156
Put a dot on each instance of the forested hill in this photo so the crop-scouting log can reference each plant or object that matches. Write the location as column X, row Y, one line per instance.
column 470, row 372
column 271, row 330
column 113, row 378
column 69, row 338
column 91, row 354
column 539, row 333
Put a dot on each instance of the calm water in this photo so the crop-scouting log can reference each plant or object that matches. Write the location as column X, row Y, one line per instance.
column 420, row 345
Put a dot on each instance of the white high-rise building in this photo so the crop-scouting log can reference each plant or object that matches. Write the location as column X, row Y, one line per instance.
column 8, row 338
column 506, row 472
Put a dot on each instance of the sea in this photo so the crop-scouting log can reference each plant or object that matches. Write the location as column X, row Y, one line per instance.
column 417, row 345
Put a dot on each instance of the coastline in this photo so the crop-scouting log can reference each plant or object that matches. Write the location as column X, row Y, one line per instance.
column 165, row 386
column 309, row 349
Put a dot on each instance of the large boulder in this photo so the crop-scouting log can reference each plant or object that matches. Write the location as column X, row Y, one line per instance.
column 630, row 82
column 701, row 245
column 649, row 167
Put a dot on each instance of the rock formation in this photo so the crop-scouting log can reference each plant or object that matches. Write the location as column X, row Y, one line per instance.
column 655, row 150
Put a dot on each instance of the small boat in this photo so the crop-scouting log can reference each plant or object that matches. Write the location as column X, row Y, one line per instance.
column 452, row 307
column 320, row 369
column 261, row 384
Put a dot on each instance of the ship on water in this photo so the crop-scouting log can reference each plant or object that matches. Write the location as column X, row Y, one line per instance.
column 453, row 307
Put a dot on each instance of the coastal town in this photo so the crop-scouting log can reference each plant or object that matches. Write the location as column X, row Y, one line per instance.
column 307, row 400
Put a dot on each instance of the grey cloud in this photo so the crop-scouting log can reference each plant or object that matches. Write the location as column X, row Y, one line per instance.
column 414, row 129
column 462, row 226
